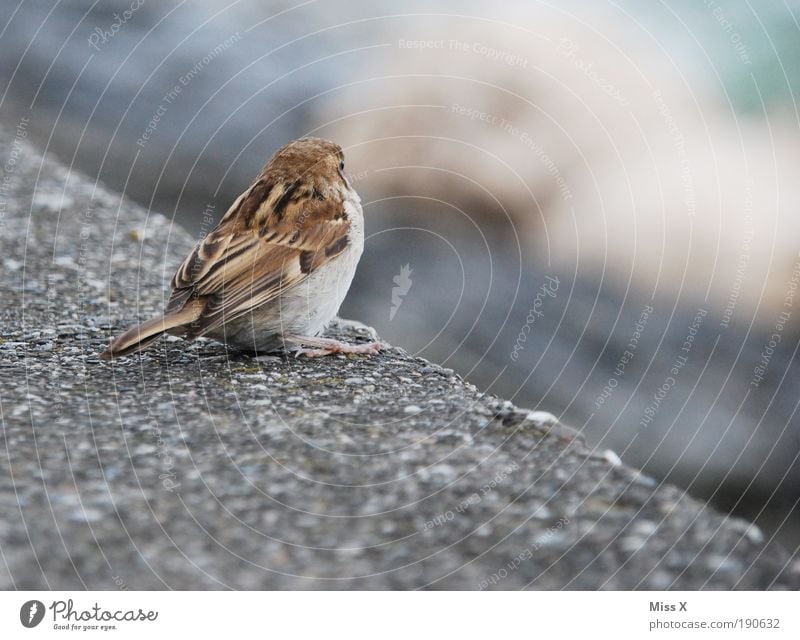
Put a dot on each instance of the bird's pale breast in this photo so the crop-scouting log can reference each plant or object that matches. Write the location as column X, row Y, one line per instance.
column 309, row 306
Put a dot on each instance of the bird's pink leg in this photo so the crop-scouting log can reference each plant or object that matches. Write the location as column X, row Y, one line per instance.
column 329, row 346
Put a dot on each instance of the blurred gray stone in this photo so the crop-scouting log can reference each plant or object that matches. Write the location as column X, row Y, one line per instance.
column 196, row 467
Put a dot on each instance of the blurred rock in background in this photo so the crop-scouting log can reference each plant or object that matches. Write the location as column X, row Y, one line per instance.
column 591, row 209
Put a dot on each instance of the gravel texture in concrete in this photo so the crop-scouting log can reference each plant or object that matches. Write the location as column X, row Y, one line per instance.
column 193, row 467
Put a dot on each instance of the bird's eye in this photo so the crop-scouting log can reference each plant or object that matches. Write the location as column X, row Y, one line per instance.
column 341, row 166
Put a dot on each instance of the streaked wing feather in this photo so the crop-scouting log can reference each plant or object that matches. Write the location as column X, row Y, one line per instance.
column 235, row 269
column 251, row 290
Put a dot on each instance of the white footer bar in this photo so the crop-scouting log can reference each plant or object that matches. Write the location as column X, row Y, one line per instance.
column 385, row 615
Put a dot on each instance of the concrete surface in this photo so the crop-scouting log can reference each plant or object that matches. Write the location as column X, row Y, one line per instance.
column 192, row 467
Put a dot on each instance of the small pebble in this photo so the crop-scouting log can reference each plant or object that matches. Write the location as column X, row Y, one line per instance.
column 612, row 458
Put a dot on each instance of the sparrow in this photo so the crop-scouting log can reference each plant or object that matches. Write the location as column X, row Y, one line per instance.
column 275, row 270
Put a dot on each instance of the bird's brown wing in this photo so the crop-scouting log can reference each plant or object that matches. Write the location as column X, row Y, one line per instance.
column 251, row 259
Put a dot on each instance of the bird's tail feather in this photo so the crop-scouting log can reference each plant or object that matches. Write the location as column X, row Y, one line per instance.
column 139, row 337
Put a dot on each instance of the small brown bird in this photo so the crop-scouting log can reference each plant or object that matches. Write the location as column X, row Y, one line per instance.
column 275, row 270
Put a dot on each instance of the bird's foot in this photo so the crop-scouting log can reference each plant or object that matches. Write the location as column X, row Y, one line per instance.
column 329, row 346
